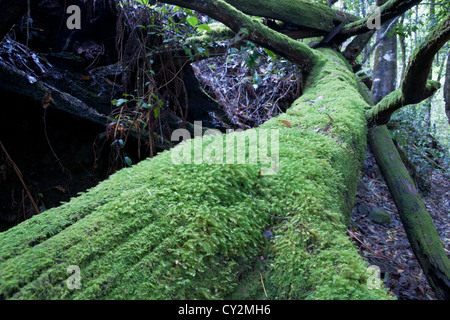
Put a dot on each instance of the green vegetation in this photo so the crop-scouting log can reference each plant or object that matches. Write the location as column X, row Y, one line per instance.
column 163, row 231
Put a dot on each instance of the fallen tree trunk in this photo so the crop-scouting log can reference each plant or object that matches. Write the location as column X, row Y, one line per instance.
column 168, row 229
column 162, row 230
column 415, row 218
column 19, row 82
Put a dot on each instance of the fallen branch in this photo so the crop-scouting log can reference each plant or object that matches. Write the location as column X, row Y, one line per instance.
column 252, row 30
column 381, row 113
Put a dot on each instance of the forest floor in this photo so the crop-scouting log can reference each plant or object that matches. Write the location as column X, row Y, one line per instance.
column 387, row 246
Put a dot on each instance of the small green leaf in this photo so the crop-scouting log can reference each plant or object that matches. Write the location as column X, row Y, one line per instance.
column 119, row 102
column 193, row 21
column 128, row 161
column 188, row 52
column 270, row 53
column 120, row 141
column 205, row 27
column 144, row 104
column 156, row 112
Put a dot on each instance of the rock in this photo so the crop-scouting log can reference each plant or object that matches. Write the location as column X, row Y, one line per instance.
column 379, row 215
column 362, row 209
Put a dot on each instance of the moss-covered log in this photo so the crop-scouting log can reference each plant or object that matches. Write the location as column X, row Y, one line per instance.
column 415, row 218
column 316, row 18
column 161, row 230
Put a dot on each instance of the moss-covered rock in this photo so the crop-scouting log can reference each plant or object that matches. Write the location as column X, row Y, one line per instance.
column 379, row 216
column 161, row 230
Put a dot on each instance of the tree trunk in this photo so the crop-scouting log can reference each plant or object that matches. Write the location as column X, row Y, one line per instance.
column 163, row 230
column 447, row 89
column 188, row 222
column 418, row 225
column 415, row 218
column 385, row 65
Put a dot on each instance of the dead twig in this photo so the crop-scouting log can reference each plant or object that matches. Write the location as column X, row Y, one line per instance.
column 19, row 175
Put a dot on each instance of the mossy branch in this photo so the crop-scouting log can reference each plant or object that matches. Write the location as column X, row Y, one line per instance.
column 418, row 70
column 312, row 17
column 381, row 113
column 258, row 33
column 415, row 86
column 388, row 11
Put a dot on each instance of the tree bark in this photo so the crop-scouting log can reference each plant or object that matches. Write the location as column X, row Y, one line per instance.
column 447, row 88
column 415, row 85
column 356, row 46
column 385, row 65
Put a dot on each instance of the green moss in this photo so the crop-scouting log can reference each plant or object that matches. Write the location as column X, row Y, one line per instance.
column 308, row 14
column 161, row 230
column 217, row 32
column 378, row 215
column 383, row 110
column 314, row 259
